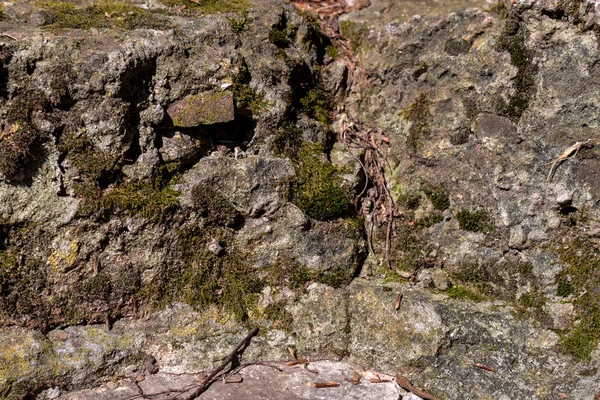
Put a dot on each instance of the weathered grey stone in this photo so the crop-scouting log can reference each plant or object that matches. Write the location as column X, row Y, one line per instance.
column 564, row 199
column 348, row 163
column 517, row 237
column 441, row 280
column 499, row 98
column 261, row 382
column 253, row 184
column 181, row 148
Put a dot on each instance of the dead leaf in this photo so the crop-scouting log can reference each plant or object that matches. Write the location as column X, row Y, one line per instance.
column 377, row 380
column 320, row 385
column 292, row 352
column 406, row 384
column 301, row 360
column 478, row 365
column 563, row 396
column 399, row 301
column 356, row 377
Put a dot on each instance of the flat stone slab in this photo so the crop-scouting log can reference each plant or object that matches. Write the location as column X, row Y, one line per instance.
column 258, row 382
column 381, row 12
column 206, row 108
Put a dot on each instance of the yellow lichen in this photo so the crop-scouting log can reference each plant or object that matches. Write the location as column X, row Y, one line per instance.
column 61, row 261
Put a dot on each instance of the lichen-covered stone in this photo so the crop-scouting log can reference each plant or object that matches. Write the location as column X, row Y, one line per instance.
column 202, row 109
column 120, row 239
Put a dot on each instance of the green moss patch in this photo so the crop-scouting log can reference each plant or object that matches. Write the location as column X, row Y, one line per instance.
column 438, row 197
column 151, row 198
column 504, row 280
column 282, row 34
column 419, row 115
column 19, row 143
column 317, row 189
column 429, row 220
column 408, row 252
column 100, row 14
column 356, row 33
column 513, row 42
column 317, row 104
column 289, row 273
column 459, row 292
column 209, row 6
column 241, row 24
column 581, row 278
column 474, row 221
column 244, row 97
column 205, row 278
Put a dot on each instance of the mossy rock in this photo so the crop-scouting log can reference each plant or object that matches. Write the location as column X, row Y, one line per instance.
column 438, row 197
column 204, row 278
column 209, row 6
column 282, row 34
column 317, row 188
column 513, row 42
column 580, row 278
column 317, row 104
column 244, row 97
column 474, row 221
column 100, row 14
column 419, row 115
column 206, row 108
column 19, row 143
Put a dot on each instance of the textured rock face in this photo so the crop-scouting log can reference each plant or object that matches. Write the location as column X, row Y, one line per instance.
column 477, row 105
column 165, row 187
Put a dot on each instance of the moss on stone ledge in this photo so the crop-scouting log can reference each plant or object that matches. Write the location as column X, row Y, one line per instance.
column 150, row 198
column 100, row 14
column 206, row 277
column 580, row 278
column 209, row 6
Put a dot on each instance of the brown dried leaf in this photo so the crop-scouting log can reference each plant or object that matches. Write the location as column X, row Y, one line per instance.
column 377, row 380
column 355, row 380
column 478, row 365
column 292, row 352
column 301, row 360
column 320, row 385
column 399, row 301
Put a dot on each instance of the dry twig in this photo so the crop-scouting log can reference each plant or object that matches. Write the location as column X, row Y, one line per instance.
column 478, row 365
column 406, row 384
column 209, row 379
column 320, row 385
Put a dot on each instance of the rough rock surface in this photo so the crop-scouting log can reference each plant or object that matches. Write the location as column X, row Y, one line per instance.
column 168, row 180
column 263, row 383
